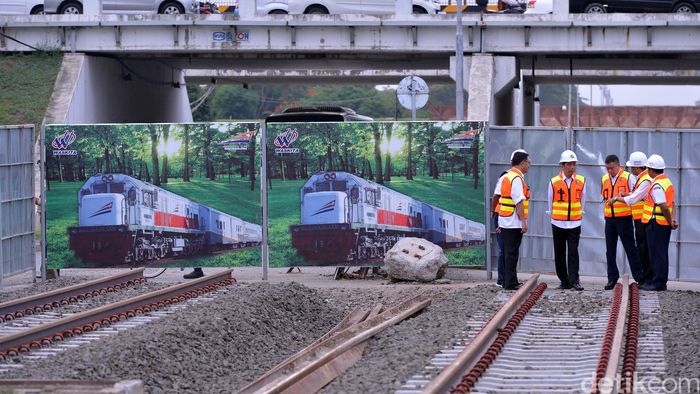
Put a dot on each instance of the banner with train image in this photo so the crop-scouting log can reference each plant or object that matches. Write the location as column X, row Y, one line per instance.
column 342, row 194
column 154, row 195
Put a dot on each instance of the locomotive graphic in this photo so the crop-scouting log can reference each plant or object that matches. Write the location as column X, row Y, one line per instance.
column 347, row 218
column 124, row 220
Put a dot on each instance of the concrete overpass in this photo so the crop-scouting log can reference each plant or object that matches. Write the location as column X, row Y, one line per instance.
column 147, row 57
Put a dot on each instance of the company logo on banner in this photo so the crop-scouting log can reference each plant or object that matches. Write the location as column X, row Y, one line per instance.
column 228, row 36
column 62, row 142
column 327, row 207
column 239, row 142
column 107, row 208
column 284, row 140
column 463, row 140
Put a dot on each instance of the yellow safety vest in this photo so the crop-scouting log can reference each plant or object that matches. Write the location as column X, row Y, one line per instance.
column 566, row 200
column 608, row 190
column 506, row 203
column 638, row 206
column 653, row 211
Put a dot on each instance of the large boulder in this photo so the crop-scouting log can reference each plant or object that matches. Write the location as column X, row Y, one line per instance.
column 415, row 259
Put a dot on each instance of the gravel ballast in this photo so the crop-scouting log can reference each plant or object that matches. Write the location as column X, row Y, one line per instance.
column 39, row 287
column 400, row 351
column 215, row 347
column 93, row 302
column 680, row 316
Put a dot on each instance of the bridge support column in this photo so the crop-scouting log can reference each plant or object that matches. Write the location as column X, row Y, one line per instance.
column 109, row 90
column 525, row 110
column 489, row 81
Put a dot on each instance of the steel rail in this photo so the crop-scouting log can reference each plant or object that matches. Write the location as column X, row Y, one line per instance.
column 619, row 338
column 629, row 363
column 341, row 343
column 46, row 301
column 319, row 378
column 71, row 386
column 611, row 350
column 354, row 317
column 471, row 354
column 94, row 318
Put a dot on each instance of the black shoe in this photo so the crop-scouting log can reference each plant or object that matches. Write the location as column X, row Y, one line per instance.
column 516, row 287
column 577, row 287
column 196, row 273
column 610, row 285
column 563, row 287
column 649, row 287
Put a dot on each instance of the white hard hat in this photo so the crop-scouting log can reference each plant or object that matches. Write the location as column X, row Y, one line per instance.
column 512, row 155
column 656, row 162
column 637, row 159
column 568, row 156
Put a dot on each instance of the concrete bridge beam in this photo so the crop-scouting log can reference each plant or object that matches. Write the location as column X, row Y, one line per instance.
column 96, row 89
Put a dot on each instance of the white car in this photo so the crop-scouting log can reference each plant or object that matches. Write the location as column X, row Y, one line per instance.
column 365, row 7
column 21, row 7
column 122, row 6
column 540, row 7
column 265, row 7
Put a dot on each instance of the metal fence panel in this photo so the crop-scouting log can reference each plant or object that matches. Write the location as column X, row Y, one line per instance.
column 16, row 200
column 680, row 149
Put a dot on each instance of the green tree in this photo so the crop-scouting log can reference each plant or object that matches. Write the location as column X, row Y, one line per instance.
column 154, row 153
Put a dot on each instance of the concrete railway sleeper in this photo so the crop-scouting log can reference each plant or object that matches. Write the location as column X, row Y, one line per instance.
column 94, row 319
column 47, row 301
column 544, row 351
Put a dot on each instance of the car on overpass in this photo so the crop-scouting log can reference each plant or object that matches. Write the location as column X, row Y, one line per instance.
column 122, row 6
column 21, row 7
column 633, row 6
column 263, row 7
column 365, row 7
column 273, row 7
column 496, row 7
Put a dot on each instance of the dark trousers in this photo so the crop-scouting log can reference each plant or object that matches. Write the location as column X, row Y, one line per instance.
column 658, row 238
column 622, row 228
column 563, row 239
column 640, row 235
column 501, row 256
column 511, row 248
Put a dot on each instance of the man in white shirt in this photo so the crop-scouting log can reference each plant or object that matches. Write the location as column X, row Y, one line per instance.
column 659, row 216
column 618, row 220
column 566, row 196
column 499, row 237
column 637, row 164
column 512, row 216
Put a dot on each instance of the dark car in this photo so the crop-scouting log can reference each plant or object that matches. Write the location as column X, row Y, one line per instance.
column 636, row 6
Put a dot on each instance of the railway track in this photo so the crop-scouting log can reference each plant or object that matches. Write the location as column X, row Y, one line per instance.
column 72, row 330
column 528, row 346
column 47, row 301
column 318, row 364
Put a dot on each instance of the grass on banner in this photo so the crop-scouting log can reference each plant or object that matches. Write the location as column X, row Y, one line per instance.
column 234, row 198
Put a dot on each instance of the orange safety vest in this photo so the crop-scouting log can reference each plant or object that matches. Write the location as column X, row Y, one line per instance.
column 506, row 203
column 566, row 200
column 653, row 211
column 497, row 208
column 608, row 190
column 638, row 206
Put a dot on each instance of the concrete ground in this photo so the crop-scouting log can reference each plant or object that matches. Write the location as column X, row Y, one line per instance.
column 322, row 277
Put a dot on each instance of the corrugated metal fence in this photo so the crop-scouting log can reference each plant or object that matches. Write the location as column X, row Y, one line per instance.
column 16, row 200
column 680, row 149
